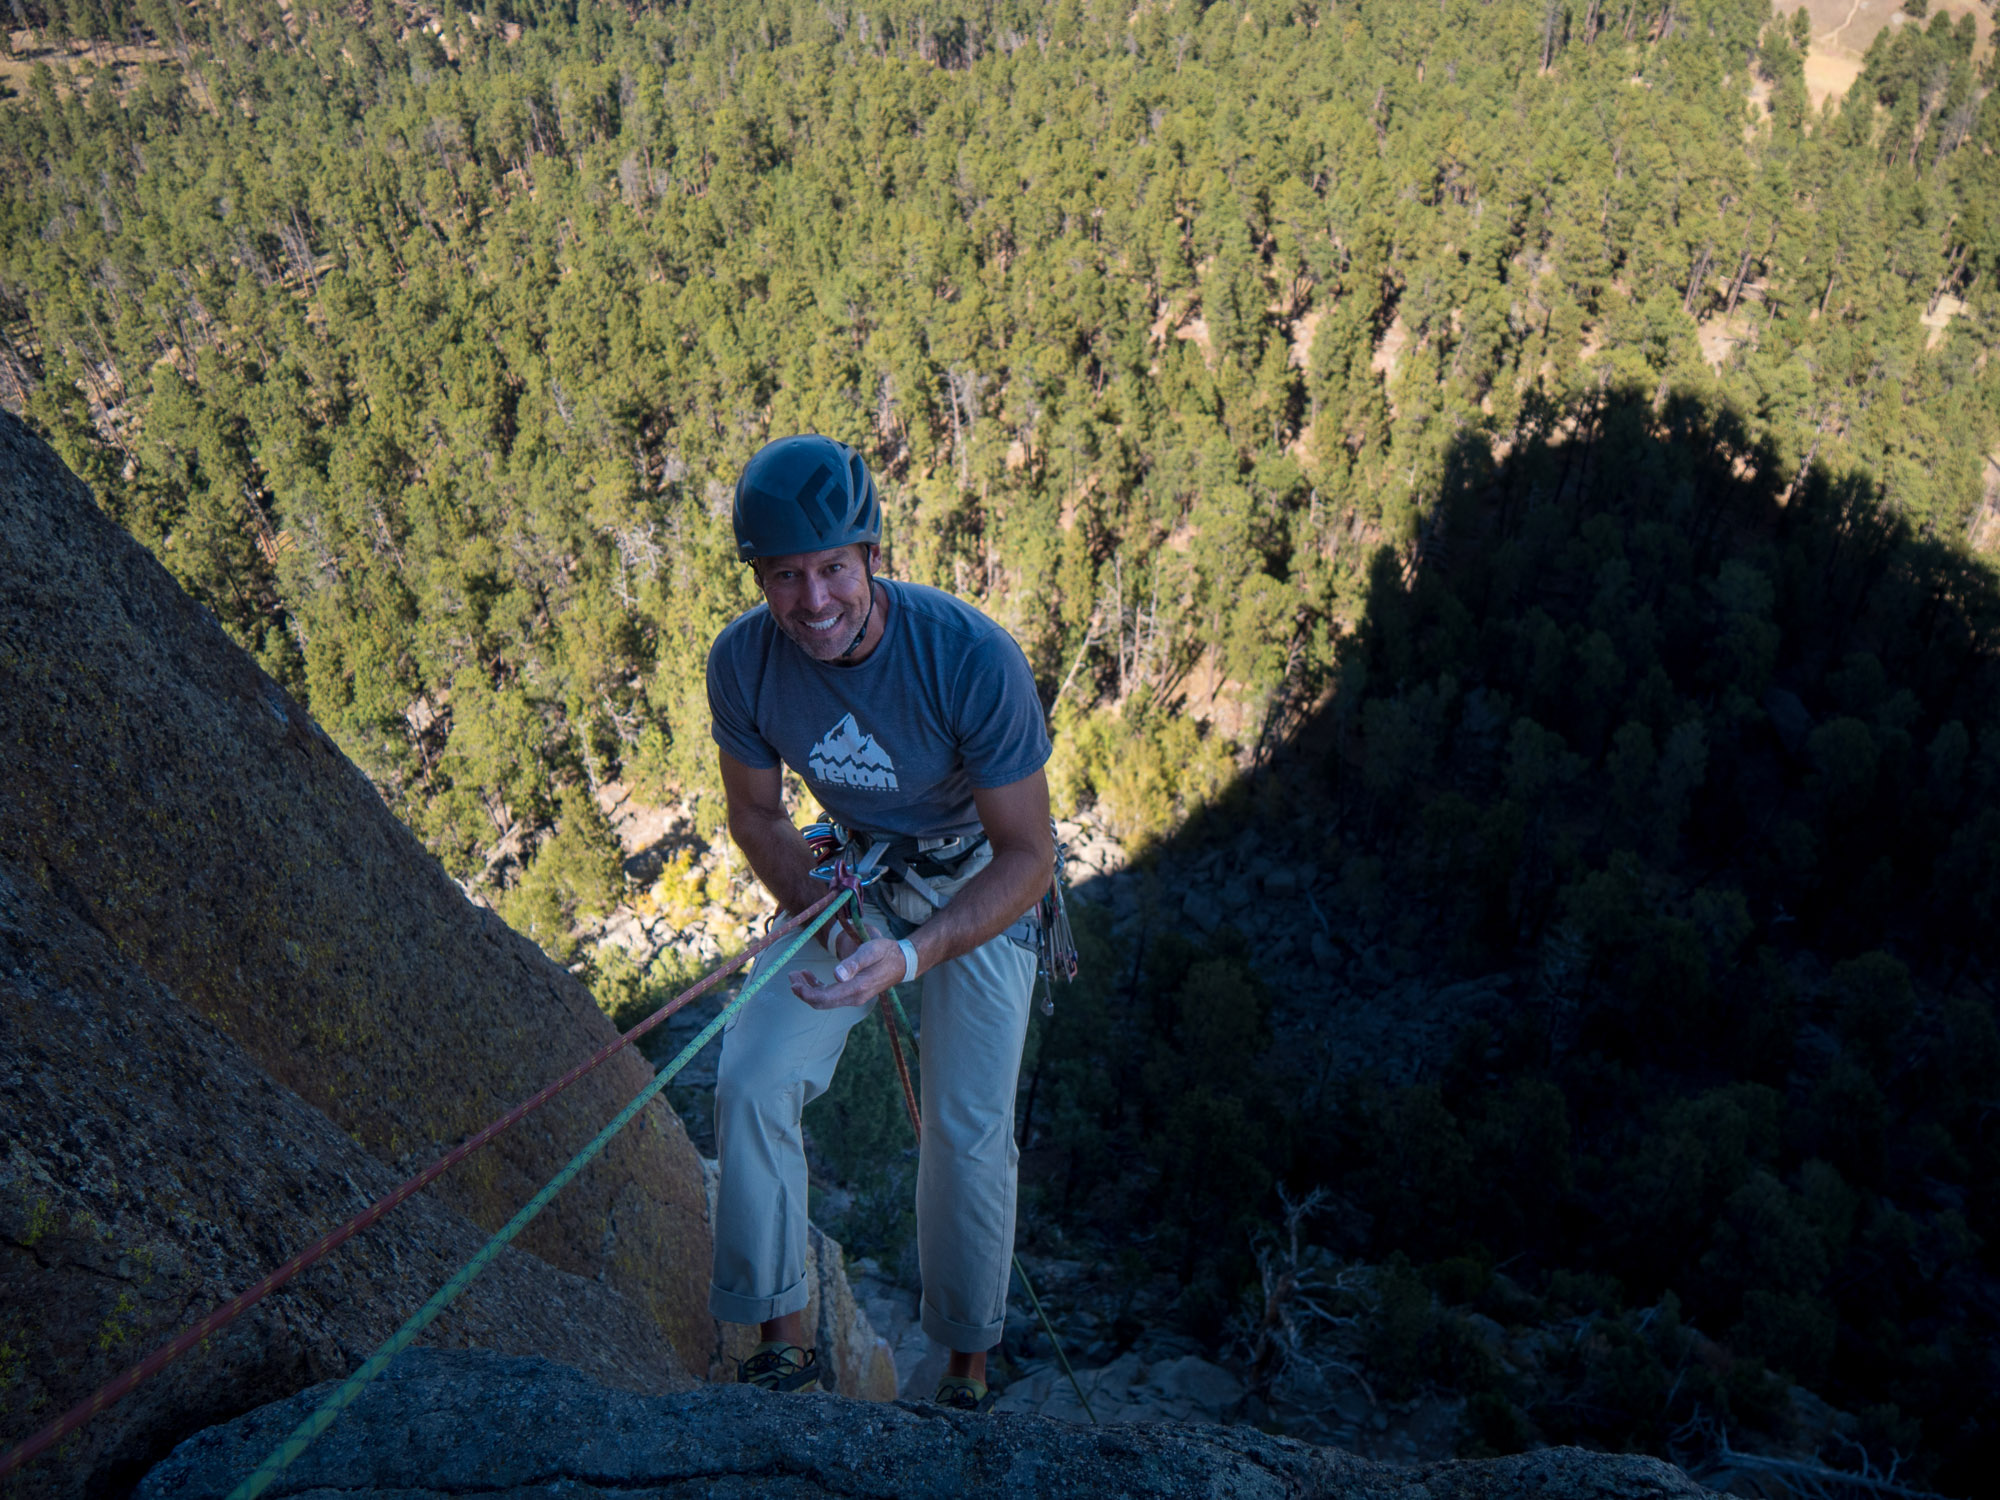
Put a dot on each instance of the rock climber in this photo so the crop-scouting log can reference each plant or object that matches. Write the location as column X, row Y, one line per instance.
column 914, row 721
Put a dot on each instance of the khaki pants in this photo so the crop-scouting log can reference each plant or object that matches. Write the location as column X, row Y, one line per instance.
column 779, row 1054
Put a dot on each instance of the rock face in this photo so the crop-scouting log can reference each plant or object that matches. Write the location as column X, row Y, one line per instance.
column 444, row 1423
column 153, row 1169
column 240, row 1002
column 179, row 801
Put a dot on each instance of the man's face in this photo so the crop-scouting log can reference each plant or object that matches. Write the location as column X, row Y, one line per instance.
column 819, row 599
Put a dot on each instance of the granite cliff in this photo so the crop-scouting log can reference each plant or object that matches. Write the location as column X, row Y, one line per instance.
column 238, row 1001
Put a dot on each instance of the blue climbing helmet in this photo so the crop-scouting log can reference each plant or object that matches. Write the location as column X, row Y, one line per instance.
column 804, row 494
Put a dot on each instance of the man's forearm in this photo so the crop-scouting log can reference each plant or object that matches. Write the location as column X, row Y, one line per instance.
column 984, row 907
column 778, row 856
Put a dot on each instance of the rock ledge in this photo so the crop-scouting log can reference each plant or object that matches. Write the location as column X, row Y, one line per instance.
column 470, row 1422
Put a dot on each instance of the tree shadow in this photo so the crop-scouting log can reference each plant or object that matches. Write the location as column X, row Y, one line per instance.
column 1624, row 919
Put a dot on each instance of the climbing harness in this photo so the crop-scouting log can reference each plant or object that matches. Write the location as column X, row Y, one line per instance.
column 221, row 1317
column 915, row 862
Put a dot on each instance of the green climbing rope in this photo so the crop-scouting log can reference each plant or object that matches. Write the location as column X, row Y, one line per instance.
column 330, row 1409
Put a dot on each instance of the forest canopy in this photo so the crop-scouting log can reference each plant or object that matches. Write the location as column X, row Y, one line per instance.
column 424, row 345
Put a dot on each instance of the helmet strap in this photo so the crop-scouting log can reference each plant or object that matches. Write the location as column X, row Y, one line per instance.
column 862, row 634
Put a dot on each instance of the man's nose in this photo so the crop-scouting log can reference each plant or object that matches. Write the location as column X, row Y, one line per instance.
column 817, row 595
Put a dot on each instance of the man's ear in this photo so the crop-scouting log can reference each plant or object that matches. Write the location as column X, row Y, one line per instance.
column 871, row 557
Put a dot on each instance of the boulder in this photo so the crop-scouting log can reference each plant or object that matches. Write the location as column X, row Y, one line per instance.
column 1202, row 911
column 448, row 1423
column 1186, row 1388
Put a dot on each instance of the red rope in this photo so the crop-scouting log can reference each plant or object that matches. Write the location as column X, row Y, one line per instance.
column 844, row 879
column 902, row 1068
column 233, row 1309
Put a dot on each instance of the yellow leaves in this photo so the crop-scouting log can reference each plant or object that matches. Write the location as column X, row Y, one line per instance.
column 679, row 894
column 1147, row 775
column 685, row 891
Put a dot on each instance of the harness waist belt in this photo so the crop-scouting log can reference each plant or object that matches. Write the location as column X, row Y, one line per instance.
column 915, row 862
column 935, row 858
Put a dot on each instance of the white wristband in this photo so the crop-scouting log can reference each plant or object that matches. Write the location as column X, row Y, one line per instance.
column 909, row 959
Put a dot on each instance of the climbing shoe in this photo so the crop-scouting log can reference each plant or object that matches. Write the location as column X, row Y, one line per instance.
column 963, row 1393
column 780, row 1367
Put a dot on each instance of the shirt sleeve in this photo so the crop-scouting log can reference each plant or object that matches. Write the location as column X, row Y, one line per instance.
column 731, row 722
column 1001, row 733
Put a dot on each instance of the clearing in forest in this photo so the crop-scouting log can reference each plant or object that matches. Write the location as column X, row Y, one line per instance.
column 1842, row 30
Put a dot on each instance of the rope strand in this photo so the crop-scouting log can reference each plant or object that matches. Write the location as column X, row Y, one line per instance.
column 287, row 1452
column 222, row 1316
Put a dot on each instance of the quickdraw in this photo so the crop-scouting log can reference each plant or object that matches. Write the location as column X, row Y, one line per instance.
column 1056, row 944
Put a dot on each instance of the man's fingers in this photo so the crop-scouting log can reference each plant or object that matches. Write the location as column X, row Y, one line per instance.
column 858, row 978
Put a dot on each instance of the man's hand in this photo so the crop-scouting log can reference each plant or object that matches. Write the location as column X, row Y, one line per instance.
column 864, row 973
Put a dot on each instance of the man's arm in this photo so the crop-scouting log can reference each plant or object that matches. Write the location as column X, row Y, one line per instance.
column 777, row 851
column 1016, row 819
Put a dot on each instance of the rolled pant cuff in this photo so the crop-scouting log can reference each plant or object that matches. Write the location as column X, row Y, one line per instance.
column 732, row 1307
column 962, row 1338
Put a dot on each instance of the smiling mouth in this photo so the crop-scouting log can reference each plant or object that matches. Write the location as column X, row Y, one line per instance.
column 821, row 627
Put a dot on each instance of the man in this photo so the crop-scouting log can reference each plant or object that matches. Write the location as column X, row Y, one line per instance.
column 914, row 721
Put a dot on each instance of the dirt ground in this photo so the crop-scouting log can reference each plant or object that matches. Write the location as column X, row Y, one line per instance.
column 1842, row 30
column 28, row 51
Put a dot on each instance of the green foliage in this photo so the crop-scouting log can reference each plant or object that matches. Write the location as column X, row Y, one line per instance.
column 1148, row 771
column 1579, row 431
column 1695, row 769
column 576, row 871
column 427, row 360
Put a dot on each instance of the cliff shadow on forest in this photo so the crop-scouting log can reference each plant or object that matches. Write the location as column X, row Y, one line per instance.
column 1611, row 952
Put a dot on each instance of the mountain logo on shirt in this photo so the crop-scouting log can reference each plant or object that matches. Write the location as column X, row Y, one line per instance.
column 847, row 757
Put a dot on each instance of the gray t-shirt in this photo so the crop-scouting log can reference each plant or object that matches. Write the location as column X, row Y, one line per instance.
column 894, row 743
